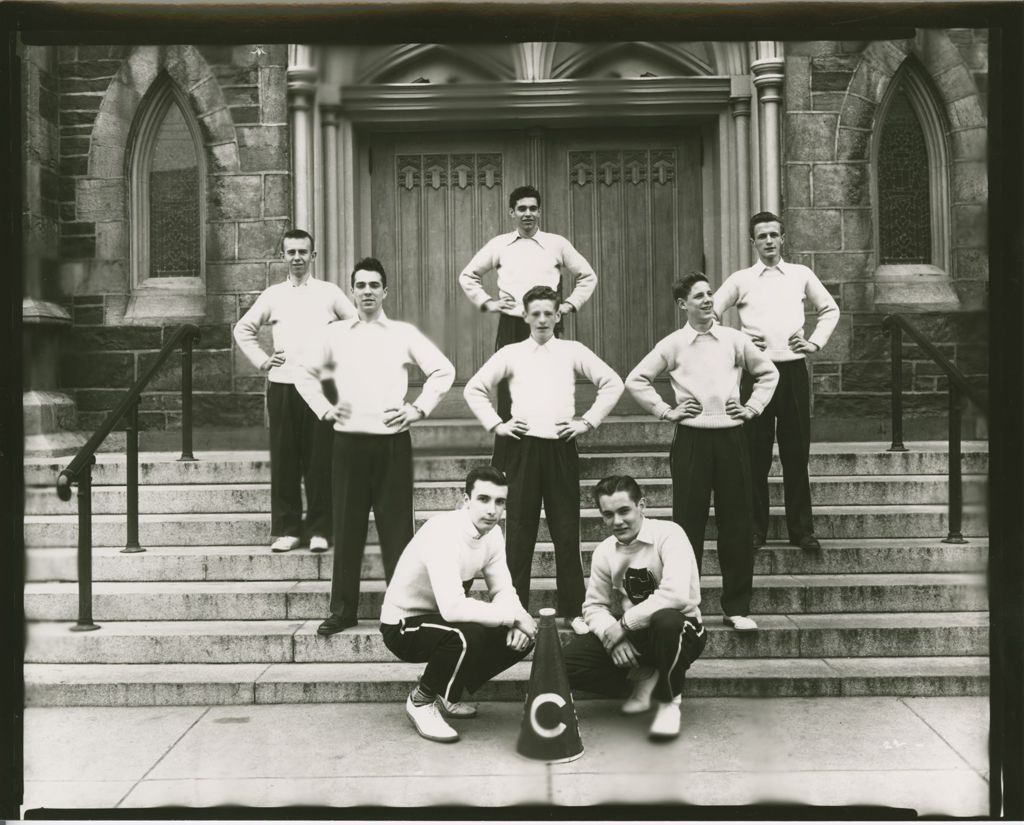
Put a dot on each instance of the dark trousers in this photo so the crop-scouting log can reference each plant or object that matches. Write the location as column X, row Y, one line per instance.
column 369, row 471
column 671, row 643
column 459, row 655
column 706, row 460
column 510, row 331
column 545, row 471
column 787, row 415
column 300, row 446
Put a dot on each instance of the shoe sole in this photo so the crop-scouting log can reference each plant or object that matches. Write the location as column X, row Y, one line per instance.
column 448, row 715
column 634, row 711
column 442, row 739
column 727, row 623
column 325, row 633
column 662, row 737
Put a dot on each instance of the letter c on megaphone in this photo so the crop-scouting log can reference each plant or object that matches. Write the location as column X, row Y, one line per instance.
column 540, row 699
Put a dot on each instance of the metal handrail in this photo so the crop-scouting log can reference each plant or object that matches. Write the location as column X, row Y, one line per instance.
column 79, row 470
column 959, row 387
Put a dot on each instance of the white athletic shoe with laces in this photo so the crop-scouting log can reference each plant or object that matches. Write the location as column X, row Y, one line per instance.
column 667, row 721
column 429, row 722
column 282, row 544
column 639, row 700
column 456, row 710
column 318, row 544
column 740, row 622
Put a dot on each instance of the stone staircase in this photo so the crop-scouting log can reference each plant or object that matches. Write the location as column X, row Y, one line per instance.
column 209, row 616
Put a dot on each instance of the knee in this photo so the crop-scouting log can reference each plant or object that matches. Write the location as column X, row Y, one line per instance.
column 667, row 621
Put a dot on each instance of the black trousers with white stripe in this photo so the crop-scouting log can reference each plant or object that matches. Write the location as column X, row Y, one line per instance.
column 459, row 655
column 670, row 644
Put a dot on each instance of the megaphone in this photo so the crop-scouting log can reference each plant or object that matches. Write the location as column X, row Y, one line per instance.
column 550, row 730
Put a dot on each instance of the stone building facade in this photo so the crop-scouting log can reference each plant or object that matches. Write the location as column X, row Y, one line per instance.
column 651, row 157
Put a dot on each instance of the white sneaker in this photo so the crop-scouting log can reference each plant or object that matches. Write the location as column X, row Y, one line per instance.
column 429, row 722
column 318, row 544
column 639, row 700
column 456, row 710
column 740, row 622
column 579, row 626
column 667, row 721
column 282, row 544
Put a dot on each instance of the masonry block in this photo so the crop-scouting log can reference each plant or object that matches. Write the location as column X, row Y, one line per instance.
column 829, row 81
column 970, row 181
column 85, row 85
column 90, row 68
column 250, row 384
column 211, row 336
column 236, row 196
column 857, row 229
column 273, row 94
column 241, row 95
column 970, row 264
column 81, row 101
column 97, row 369
column 858, row 297
column 263, row 148
column 955, row 83
column 244, row 115
column 277, row 196
column 92, row 339
column 223, row 157
column 970, row 225
column 840, row 184
column 827, row 101
column 261, row 239
column 243, row 366
column 74, row 146
column 236, row 277
column 966, row 113
column 217, row 126
column 207, row 96
column 77, row 165
column 78, row 247
column 99, row 200
column 937, row 50
column 811, row 136
column 228, row 410
column 814, row 229
column 222, row 309
column 211, row 370
column 873, row 376
column 838, row 347
column 111, row 242
column 221, row 239
column 857, row 112
column 798, row 83
column 869, row 82
column 812, row 48
column 869, row 342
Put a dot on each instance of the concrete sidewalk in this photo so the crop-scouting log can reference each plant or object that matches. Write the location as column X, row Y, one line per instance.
column 928, row 754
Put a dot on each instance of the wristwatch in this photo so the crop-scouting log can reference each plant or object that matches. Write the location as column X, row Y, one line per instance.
column 422, row 414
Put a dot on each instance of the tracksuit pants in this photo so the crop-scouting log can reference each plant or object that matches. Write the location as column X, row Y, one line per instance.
column 671, row 643
column 300, row 446
column 459, row 655
column 545, row 471
column 788, row 415
column 706, row 460
column 369, row 471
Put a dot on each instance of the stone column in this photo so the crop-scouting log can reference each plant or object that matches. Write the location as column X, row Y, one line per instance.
column 301, row 92
column 329, row 110
column 769, row 75
column 739, row 108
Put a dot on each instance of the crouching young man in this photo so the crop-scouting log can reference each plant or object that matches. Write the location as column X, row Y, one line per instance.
column 642, row 608
column 428, row 616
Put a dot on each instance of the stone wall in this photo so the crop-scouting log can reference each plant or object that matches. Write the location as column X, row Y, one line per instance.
column 833, row 90
column 237, row 95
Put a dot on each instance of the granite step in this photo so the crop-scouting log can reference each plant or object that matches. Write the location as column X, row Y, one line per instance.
column 226, row 642
column 240, row 684
column 257, row 563
column 441, row 495
column 170, row 529
column 646, row 461
column 205, row 600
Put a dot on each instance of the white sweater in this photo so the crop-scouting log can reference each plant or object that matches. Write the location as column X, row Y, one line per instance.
column 436, row 568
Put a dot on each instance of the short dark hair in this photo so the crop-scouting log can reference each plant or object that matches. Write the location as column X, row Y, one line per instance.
column 540, row 293
column 766, row 217
column 370, row 265
column 610, row 485
column 681, row 288
column 521, row 192
column 484, row 472
column 297, row 235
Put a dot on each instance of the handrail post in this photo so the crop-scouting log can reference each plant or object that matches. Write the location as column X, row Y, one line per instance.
column 896, row 337
column 85, row 621
column 186, row 399
column 132, row 480
column 956, row 495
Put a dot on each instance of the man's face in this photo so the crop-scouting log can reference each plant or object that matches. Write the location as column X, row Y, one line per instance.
column 486, row 503
column 699, row 306
column 542, row 316
column 768, row 240
column 368, row 290
column 298, row 254
column 622, row 515
column 526, row 214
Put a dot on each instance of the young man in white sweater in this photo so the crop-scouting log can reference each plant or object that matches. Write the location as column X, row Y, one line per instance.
column 428, row 616
column 642, row 608
column 704, row 361
column 543, row 461
column 300, row 444
column 772, row 296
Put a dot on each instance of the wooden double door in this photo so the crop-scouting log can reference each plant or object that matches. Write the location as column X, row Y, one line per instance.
column 629, row 201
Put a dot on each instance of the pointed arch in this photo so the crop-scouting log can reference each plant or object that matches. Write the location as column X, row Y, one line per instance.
column 169, row 186
column 667, row 58
column 430, row 58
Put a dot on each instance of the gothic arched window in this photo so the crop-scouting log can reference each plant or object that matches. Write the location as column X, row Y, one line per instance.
column 168, row 192
column 904, row 204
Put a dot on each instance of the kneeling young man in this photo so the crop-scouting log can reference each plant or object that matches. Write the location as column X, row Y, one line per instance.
column 643, row 610
column 428, row 616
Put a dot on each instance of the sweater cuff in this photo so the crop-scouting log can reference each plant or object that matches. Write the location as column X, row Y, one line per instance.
column 660, row 409
column 754, row 406
column 633, row 619
column 600, row 623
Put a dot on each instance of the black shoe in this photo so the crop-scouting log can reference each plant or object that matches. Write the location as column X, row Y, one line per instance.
column 758, row 541
column 336, row 624
column 810, row 543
